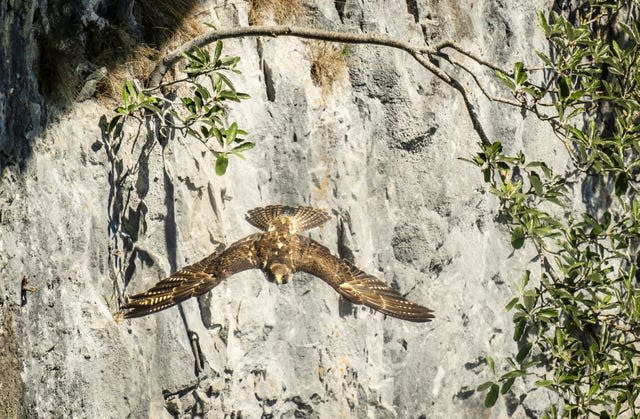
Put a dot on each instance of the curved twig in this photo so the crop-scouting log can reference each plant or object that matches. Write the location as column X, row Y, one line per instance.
column 424, row 55
column 474, row 57
column 299, row 32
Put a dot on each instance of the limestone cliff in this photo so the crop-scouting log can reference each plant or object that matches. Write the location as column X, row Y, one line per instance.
column 380, row 150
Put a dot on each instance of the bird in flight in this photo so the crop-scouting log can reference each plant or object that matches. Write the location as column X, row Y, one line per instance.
column 279, row 251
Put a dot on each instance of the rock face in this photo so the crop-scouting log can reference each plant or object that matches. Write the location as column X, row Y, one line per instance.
column 381, row 151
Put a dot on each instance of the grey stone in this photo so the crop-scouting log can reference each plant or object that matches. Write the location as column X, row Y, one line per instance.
column 381, row 152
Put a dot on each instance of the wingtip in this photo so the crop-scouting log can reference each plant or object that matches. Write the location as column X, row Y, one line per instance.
column 420, row 317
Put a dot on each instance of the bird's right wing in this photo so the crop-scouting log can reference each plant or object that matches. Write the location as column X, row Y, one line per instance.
column 195, row 279
column 358, row 286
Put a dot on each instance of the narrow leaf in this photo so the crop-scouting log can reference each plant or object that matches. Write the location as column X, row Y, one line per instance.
column 622, row 183
column 243, row 147
column 523, row 352
column 506, row 80
column 218, row 51
column 216, row 132
column 507, row 385
column 517, row 237
column 534, row 179
column 232, row 131
column 491, row 363
column 519, row 329
column 221, row 164
column 484, row 386
column 512, row 303
column 543, row 383
column 492, row 396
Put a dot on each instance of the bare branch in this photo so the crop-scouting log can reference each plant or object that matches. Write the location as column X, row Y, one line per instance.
column 424, row 55
column 474, row 57
column 482, row 89
column 420, row 54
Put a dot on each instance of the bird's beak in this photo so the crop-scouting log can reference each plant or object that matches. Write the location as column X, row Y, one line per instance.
column 279, row 279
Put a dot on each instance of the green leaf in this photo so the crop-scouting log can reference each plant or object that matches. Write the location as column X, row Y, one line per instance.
column 228, row 95
column 512, row 303
column 575, row 96
column 128, row 91
column 152, row 108
column 486, row 173
column 243, row 147
column 189, row 56
column 224, row 79
column 512, row 374
column 543, row 383
column 205, row 132
column 622, row 183
column 519, row 75
column 517, row 237
column 616, row 49
column 231, row 133
column 218, row 51
column 533, row 91
column 563, row 84
column 568, row 379
column 221, row 164
column 534, row 179
column 492, row 396
column 216, row 133
column 551, row 313
column 523, row 352
column 519, row 329
column 526, row 277
column 113, row 123
column 542, row 21
column 506, row 80
column 491, row 364
column 506, row 386
column 484, row 386
column 545, row 59
column 203, row 93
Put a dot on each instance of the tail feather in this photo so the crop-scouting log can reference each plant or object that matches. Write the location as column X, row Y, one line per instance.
column 304, row 218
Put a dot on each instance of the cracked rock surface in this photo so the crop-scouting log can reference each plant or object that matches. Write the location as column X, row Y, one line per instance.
column 381, row 152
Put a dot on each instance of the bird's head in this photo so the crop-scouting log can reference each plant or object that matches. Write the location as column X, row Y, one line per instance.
column 280, row 273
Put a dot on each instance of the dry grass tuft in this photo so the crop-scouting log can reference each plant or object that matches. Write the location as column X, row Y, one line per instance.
column 189, row 28
column 166, row 25
column 281, row 12
column 71, row 67
column 167, row 21
column 329, row 64
column 143, row 59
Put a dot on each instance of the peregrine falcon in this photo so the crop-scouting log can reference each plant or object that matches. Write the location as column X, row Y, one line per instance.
column 279, row 251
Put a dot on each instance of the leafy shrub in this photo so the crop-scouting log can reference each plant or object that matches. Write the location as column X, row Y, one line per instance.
column 201, row 114
column 577, row 324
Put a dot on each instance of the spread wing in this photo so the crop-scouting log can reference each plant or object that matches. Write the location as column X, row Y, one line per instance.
column 358, row 286
column 194, row 280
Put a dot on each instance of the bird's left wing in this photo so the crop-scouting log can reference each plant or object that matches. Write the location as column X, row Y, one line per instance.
column 194, row 280
column 358, row 286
